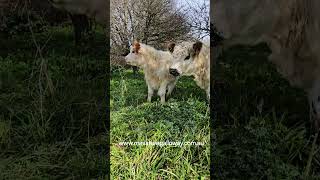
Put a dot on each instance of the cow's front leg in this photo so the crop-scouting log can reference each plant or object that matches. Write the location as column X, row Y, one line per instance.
column 208, row 93
column 171, row 87
column 150, row 93
column 162, row 92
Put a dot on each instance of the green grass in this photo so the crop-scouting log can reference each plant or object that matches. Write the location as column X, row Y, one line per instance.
column 53, row 114
column 52, row 107
column 262, row 122
column 184, row 117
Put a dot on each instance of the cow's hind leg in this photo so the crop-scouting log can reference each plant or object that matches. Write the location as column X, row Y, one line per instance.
column 208, row 93
column 162, row 92
column 150, row 93
column 170, row 88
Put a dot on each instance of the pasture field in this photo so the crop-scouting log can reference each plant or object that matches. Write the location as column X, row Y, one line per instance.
column 185, row 117
column 52, row 121
column 52, row 104
column 262, row 126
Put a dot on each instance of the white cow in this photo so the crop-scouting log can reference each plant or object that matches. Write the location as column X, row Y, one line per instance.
column 155, row 64
column 290, row 28
column 192, row 59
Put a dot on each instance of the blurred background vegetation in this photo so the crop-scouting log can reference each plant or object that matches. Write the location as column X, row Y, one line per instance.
column 52, row 94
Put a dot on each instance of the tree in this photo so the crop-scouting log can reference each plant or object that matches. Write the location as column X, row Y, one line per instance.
column 152, row 22
column 199, row 18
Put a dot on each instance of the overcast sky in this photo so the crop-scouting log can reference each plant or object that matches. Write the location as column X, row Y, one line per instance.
column 180, row 3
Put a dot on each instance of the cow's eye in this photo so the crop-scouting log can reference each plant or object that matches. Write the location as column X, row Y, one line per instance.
column 188, row 57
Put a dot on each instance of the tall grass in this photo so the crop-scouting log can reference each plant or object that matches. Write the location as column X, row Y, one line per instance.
column 183, row 118
column 52, row 107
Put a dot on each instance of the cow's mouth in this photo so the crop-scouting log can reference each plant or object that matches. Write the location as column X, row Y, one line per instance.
column 127, row 61
column 174, row 72
column 130, row 63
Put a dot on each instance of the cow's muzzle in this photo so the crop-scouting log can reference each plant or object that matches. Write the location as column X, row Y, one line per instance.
column 174, row 72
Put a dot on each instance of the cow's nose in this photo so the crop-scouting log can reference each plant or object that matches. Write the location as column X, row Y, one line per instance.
column 174, row 72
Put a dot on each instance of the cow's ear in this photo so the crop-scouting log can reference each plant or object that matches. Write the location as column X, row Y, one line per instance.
column 197, row 47
column 171, row 47
column 136, row 46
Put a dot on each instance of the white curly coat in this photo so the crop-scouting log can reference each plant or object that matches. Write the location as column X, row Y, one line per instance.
column 155, row 65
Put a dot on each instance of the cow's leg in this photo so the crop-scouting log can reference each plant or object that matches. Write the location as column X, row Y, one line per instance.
column 150, row 93
column 91, row 31
column 162, row 92
column 85, row 25
column 314, row 104
column 208, row 93
column 171, row 87
column 81, row 25
column 76, row 27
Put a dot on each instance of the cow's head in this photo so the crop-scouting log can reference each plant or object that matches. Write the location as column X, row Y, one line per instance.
column 244, row 22
column 135, row 57
column 184, row 55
